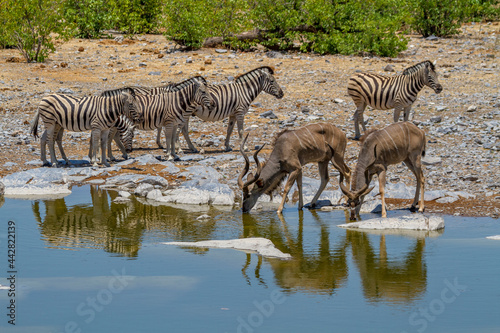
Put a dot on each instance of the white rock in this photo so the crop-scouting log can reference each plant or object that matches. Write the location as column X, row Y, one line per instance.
column 147, row 159
column 124, row 194
column 430, row 160
column 121, row 200
column 496, row 237
column 262, row 246
column 37, row 183
column 447, row 199
column 203, row 217
column 433, row 195
column 154, row 194
column 407, row 222
column 9, row 164
column 143, row 189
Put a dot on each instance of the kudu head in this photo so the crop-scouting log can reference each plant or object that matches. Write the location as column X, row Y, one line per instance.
column 253, row 188
column 355, row 198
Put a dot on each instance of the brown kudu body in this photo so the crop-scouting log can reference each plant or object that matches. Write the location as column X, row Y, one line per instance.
column 399, row 142
column 317, row 143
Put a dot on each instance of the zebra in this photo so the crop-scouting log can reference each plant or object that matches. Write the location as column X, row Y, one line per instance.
column 383, row 93
column 122, row 133
column 165, row 107
column 139, row 90
column 232, row 101
column 94, row 113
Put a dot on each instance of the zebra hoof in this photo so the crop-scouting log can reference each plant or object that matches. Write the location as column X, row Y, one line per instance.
column 46, row 164
column 228, row 149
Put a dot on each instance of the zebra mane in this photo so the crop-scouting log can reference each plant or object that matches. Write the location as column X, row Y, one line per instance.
column 244, row 77
column 181, row 85
column 118, row 91
column 417, row 67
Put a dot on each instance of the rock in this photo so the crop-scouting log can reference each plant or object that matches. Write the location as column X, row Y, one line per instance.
column 407, row 222
column 121, row 200
column 9, row 164
column 143, row 189
column 203, row 217
column 262, row 246
column 447, row 200
column 37, row 183
column 154, row 73
column 371, row 206
column 170, row 168
column 81, row 49
column 432, row 38
column 189, row 61
column 142, row 64
column 154, row 194
column 440, row 108
column 124, row 194
column 220, row 50
column 268, row 114
column 472, row 108
column 496, row 237
column 338, row 100
column 200, row 192
column 208, row 61
column 399, row 191
column 65, row 91
column 431, row 160
column 147, row 159
column 154, row 180
column 389, row 68
column 435, row 119
column 433, row 195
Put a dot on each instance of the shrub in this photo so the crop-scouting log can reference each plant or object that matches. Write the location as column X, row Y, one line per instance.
column 136, row 16
column 90, row 17
column 29, row 25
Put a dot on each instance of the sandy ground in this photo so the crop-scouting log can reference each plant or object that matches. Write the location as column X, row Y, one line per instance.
column 466, row 142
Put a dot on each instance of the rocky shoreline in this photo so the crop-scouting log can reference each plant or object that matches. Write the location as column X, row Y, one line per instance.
column 461, row 124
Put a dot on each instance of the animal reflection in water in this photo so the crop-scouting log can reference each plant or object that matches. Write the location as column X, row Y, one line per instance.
column 117, row 228
column 384, row 278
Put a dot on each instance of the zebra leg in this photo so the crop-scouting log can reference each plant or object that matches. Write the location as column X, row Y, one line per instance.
column 240, row 122
column 120, row 145
column 397, row 112
column 170, row 130
column 91, row 149
column 104, row 145
column 358, row 115
column 95, row 136
column 113, row 132
column 43, row 149
column 407, row 110
column 185, row 133
column 230, row 126
column 59, row 137
column 158, row 138
column 50, row 135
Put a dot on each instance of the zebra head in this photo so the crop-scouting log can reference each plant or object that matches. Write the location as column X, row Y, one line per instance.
column 131, row 106
column 202, row 95
column 432, row 77
column 127, row 138
column 270, row 85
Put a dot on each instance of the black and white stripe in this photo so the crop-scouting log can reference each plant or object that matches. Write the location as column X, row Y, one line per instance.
column 94, row 113
column 232, row 101
column 383, row 93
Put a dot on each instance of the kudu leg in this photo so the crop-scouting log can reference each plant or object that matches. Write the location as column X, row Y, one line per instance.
column 381, row 186
column 291, row 179
column 323, row 173
column 416, row 168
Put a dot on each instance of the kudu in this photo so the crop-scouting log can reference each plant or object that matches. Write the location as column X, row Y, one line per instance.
column 399, row 142
column 293, row 149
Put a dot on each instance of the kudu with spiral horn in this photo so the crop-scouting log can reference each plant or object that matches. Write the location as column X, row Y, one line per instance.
column 320, row 143
column 396, row 143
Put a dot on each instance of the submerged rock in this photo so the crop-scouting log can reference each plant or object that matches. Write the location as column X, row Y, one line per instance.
column 262, row 246
column 496, row 237
column 407, row 222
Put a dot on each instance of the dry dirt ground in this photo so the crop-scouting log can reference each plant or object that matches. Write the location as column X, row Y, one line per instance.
column 462, row 134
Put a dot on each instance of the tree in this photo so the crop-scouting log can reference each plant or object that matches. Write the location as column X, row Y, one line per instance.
column 29, row 25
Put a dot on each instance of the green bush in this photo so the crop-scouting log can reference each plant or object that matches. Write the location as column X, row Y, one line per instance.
column 90, row 17
column 29, row 25
column 444, row 17
column 136, row 16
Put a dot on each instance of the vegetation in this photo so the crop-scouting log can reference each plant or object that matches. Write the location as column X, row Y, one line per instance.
column 322, row 26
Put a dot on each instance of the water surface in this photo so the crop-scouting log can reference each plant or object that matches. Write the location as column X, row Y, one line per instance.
column 85, row 264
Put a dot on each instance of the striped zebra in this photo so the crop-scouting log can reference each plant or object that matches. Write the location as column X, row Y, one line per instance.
column 383, row 93
column 232, row 101
column 122, row 133
column 94, row 113
column 165, row 107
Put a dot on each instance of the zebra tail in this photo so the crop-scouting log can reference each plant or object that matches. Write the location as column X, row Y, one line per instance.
column 34, row 125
